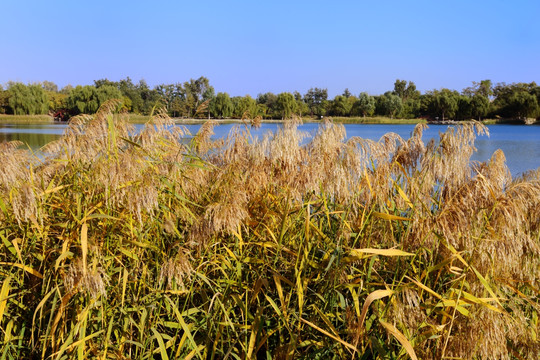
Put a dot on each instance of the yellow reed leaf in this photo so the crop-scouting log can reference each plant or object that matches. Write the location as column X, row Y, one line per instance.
column 84, row 245
column 367, row 180
column 424, row 287
column 338, row 339
column 390, row 216
column 252, row 339
column 376, row 295
column 15, row 243
column 400, row 337
column 195, row 351
column 403, row 195
column 55, row 189
column 26, row 268
column 161, row 344
column 362, row 253
column 4, row 293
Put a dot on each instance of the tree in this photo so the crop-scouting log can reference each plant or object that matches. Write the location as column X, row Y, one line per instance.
column 446, row 103
column 391, row 104
column 28, row 99
column 516, row 100
column 57, row 100
column 347, row 93
column 166, row 93
column 479, row 106
column 83, row 100
column 268, row 105
column 301, row 107
column 108, row 92
column 405, row 91
column 221, row 106
column 132, row 96
column 484, row 88
column 286, row 105
column 464, row 108
column 49, row 86
column 66, row 90
column 4, row 101
column 340, row 106
column 399, row 88
column 244, row 107
column 524, row 105
column 316, row 98
column 365, row 105
column 196, row 92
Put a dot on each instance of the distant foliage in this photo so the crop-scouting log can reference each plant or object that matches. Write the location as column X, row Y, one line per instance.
column 196, row 98
column 28, row 99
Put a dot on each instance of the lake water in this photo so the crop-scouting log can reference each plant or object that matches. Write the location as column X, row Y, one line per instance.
column 520, row 143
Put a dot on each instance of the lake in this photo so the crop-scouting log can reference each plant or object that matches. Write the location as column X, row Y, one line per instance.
column 520, row 143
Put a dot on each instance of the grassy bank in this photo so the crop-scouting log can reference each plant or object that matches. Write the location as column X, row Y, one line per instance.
column 25, row 119
column 116, row 246
column 142, row 119
column 376, row 120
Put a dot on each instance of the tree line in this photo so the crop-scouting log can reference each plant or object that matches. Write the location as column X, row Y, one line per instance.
column 196, row 98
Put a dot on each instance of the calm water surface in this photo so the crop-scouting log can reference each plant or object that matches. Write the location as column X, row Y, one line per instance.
column 520, row 143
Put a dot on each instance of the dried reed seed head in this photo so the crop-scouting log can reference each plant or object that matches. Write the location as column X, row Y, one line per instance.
column 176, row 270
column 24, row 202
column 93, row 280
column 15, row 164
column 202, row 139
column 256, row 122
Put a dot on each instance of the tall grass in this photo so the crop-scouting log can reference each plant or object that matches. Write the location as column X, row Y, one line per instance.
column 125, row 246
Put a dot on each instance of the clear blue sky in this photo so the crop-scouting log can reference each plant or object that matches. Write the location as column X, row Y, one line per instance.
column 248, row 47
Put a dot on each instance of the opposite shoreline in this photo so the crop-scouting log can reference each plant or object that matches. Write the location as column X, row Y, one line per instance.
column 141, row 119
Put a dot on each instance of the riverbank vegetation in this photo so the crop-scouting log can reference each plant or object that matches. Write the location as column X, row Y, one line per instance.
column 116, row 245
column 196, row 98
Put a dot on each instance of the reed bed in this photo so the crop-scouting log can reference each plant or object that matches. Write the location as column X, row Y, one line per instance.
column 145, row 246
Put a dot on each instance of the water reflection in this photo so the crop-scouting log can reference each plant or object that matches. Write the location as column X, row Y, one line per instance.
column 34, row 140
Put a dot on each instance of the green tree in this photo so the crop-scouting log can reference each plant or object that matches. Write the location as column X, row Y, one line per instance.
column 4, row 101
column 83, row 100
column 286, row 105
column 516, row 100
column 405, row 91
column 390, row 104
column 524, row 105
column 365, row 105
column 28, row 99
column 130, row 91
column 484, row 88
column 244, row 107
column 446, row 103
column 479, row 106
column 268, row 103
column 108, row 92
column 49, row 86
column 57, row 101
column 399, row 88
column 166, row 93
column 464, row 108
column 340, row 106
column 221, row 106
column 66, row 90
column 316, row 99
column 196, row 92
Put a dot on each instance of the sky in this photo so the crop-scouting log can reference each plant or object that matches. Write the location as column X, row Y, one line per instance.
column 251, row 47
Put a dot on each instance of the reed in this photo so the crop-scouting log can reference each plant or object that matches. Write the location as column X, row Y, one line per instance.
column 122, row 245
